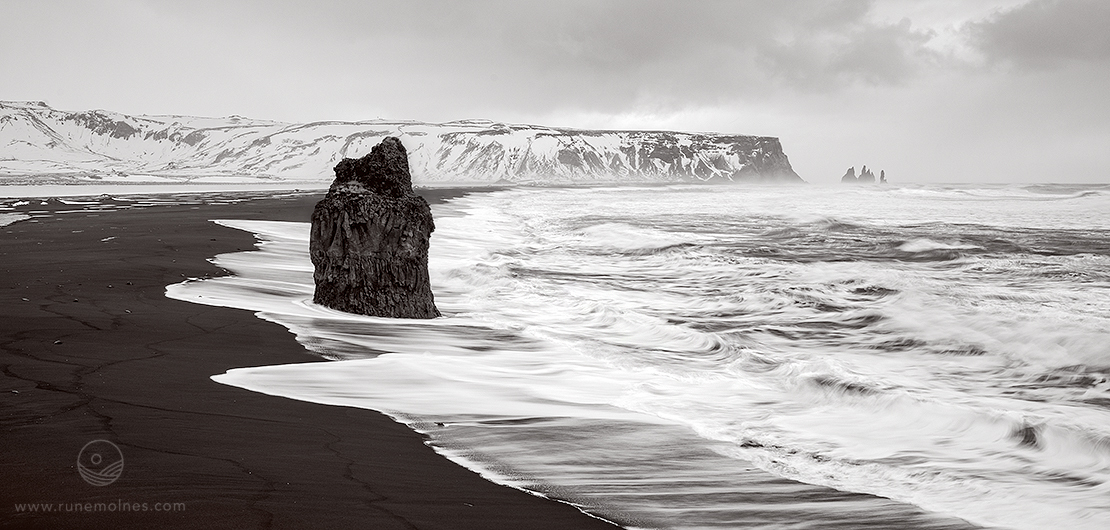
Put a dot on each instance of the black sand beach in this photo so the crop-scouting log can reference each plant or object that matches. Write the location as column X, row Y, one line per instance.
column 92, row 349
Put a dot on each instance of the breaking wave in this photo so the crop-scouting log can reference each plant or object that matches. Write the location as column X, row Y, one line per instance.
column 700, row 357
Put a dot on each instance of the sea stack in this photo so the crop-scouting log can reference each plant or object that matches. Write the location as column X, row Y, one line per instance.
column 849, row 176
column 866, row 176
column 369, row 241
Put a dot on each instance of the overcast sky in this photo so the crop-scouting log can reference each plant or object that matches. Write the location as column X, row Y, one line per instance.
column 929, row 90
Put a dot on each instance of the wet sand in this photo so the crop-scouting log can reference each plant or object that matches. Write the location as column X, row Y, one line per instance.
column 90, row 348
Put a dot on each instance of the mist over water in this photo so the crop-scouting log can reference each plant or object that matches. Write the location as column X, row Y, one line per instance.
column 714, row 356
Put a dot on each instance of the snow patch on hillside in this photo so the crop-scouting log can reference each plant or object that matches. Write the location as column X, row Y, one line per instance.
column 39, row 142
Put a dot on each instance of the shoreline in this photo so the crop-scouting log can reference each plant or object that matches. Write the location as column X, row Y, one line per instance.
column 74, row 191
column 93, row 349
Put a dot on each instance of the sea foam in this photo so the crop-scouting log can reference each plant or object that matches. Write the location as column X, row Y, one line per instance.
column 671, row 366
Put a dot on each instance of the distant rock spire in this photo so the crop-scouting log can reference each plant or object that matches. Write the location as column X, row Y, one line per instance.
column 866, row 176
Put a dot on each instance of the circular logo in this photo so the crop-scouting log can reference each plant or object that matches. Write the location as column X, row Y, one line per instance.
column 100, row 462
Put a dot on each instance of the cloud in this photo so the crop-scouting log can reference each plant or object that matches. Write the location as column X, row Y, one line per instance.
column 588, row 55
column 429, row 59
column 1046, row 34
column 900, row 84
column 721, row 46
column 831, row 57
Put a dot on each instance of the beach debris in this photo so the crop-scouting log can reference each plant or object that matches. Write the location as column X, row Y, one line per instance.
column 369, row 239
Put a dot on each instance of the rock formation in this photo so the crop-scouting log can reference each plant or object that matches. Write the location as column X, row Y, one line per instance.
column 369, row 241
column 866, row 176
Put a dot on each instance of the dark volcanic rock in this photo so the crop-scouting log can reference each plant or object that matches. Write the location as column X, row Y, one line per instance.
column 369, row 240
column 866, row 176
column 384, row 171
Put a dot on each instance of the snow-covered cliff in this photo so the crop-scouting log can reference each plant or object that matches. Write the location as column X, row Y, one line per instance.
column 39, row 142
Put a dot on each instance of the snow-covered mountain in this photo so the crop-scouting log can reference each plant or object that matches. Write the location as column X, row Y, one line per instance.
column 40, row 143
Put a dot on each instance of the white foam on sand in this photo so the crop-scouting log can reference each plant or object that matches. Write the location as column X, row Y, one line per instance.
column 9, row 218
column 676, row 389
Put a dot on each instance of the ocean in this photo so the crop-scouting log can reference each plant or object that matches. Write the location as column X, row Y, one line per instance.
column 726, row 356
